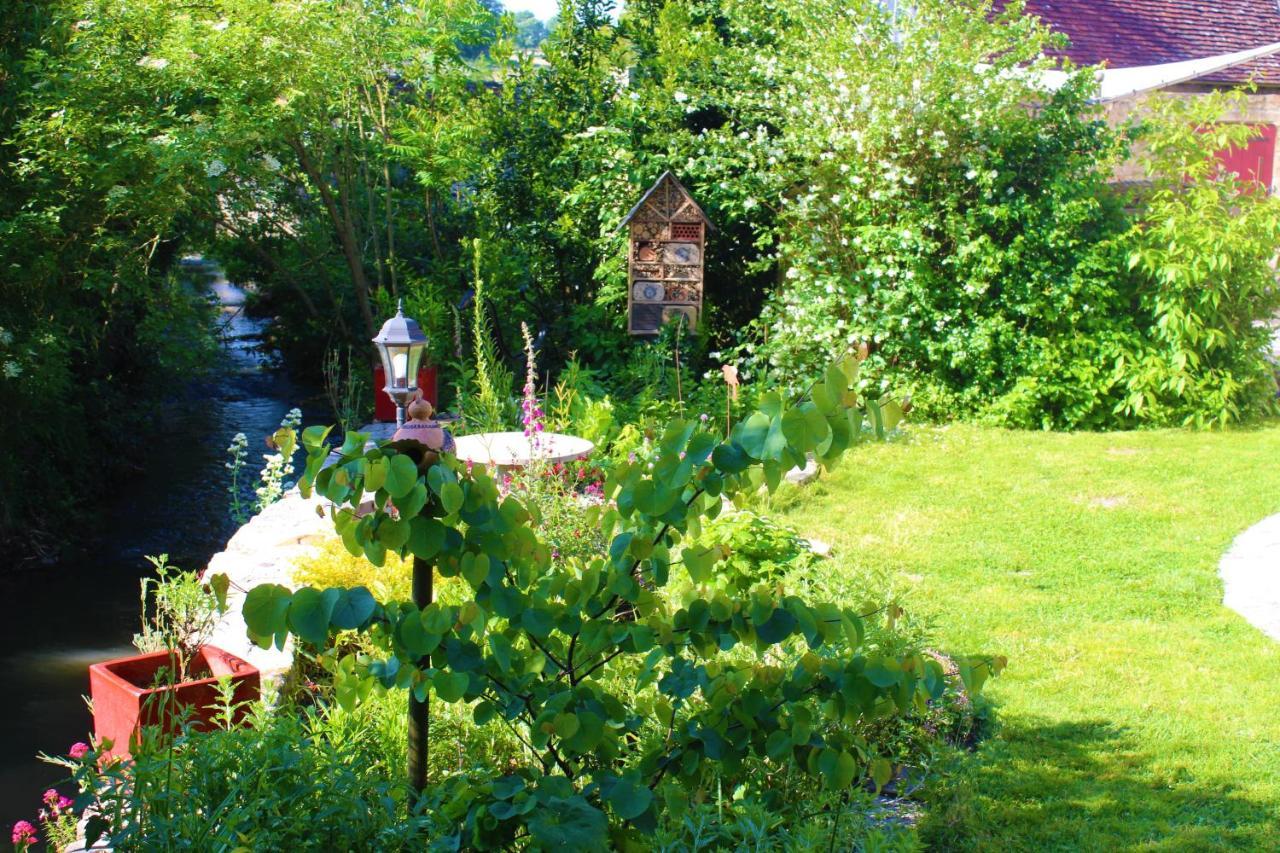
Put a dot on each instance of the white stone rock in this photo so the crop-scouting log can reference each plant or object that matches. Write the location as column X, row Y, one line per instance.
column 1250, row 572
column 803, row 476
column 265, row 551
column 818, row 547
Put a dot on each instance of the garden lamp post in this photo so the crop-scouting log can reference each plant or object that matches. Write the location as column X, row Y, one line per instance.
column 401, row 343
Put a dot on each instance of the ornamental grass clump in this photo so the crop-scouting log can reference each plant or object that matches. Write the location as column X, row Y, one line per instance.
column 627, row 701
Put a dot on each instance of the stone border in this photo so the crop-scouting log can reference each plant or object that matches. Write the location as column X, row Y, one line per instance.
column 265, row 550
column 1250, row 572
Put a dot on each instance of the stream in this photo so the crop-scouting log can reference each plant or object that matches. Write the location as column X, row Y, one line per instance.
column 84, row 609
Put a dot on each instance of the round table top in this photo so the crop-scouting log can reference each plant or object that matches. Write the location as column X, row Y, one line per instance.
column 515, row 449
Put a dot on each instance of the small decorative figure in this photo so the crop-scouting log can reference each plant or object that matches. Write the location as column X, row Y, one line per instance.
column 419, row 426
column 731, row 380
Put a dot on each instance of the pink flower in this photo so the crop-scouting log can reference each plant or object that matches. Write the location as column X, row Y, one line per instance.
column 64, row 803
column 78, row 750
column 23, row 834
column 50, row 798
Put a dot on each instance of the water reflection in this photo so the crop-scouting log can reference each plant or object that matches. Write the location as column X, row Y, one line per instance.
column 64, row 616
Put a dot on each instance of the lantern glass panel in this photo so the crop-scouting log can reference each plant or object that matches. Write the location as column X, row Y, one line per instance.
column 414, row 358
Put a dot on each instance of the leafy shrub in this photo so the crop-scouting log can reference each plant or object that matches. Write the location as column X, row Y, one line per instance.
column 633, row 680
column 1204, row 248
column 294, row 779
column 976, row 245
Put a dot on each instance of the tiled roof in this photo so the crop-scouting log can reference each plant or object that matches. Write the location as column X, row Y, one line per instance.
column 1126, row 33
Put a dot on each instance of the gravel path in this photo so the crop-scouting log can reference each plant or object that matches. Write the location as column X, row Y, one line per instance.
column 1250, row 573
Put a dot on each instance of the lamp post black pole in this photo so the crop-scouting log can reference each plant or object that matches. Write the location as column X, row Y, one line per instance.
column 420, row 711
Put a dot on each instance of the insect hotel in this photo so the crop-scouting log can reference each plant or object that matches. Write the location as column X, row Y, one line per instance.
column 664, row 268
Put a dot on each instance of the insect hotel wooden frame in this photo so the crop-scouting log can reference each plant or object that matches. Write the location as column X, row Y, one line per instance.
column 665, row 257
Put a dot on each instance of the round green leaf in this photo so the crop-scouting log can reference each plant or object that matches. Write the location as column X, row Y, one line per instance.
column 353, row 608
column 629, row 798
column 450, row 685
column 402, row 475
column 264, row 610
column 309, row 613
column 451, row 497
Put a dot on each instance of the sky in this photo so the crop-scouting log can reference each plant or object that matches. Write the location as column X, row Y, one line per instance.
column 545, row 10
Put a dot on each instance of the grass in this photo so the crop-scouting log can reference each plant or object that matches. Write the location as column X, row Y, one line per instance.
column 1136, row 711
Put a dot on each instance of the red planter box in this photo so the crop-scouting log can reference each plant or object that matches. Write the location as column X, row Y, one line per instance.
column 125, row 696
column 384, row 410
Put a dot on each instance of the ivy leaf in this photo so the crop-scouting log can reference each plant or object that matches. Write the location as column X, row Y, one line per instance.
column 402, row 475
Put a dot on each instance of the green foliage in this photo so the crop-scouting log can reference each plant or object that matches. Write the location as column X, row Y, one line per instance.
column 293, row 779
column 1204, row 246
column 178, row 610
column 628, row 699
column 346, row 388
column 975, row 243
column 491, row 401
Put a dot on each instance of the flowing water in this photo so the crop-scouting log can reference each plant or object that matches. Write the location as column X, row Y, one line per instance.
column 62, row 617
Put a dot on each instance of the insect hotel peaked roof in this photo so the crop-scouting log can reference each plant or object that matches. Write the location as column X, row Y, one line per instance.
column 665, row 257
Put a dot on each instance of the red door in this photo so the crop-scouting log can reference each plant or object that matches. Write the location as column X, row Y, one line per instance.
column 1254, row 162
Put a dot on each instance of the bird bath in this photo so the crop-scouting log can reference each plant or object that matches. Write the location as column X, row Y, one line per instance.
column 506, row 450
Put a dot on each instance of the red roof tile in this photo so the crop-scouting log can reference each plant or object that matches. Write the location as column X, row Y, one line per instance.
column 1125, row 33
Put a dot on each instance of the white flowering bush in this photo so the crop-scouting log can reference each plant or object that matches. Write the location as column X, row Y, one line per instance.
column 937, row 203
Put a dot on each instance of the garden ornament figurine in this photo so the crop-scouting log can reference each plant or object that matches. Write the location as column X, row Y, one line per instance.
column 421, row 427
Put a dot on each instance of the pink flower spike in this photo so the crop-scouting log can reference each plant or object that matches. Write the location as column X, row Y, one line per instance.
column 24, row 833
column 78, row 750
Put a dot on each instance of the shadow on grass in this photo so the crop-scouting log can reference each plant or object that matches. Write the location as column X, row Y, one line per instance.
column 1087, row 786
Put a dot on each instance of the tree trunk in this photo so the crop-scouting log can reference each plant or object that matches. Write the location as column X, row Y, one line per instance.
column 345, row 231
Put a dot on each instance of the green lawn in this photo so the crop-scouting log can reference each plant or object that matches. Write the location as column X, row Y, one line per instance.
column 1136, row 711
